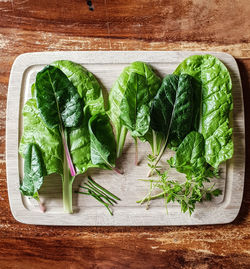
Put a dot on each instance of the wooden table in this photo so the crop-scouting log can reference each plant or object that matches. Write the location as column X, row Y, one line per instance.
column 44, row 25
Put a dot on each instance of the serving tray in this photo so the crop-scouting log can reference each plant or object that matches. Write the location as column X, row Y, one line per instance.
column 107, row 66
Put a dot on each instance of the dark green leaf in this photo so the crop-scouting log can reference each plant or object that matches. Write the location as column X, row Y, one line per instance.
column 34, row 171
column 135, row 106
column 57, row 98
column 87, row 85
column 103, row 146
column 172, row 108
column 35, row 131
column 189, row 158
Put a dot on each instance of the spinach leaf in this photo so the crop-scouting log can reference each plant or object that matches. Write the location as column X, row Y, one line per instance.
column 117, row 94
column 172, row 110
column 103, row 147
column 34, row 172
column 216, row 98
column 87, row 85
column 135, row 106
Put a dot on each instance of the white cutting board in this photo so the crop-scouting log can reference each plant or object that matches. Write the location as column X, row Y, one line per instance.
column 106, row 66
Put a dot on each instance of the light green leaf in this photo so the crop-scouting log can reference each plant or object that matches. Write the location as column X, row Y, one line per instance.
column 216, row 89
column 87, row 85
column 35, row 131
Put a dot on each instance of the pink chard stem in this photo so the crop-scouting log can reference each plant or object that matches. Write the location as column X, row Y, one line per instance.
column 41, row 205
column 69, row 160
column 117, row 170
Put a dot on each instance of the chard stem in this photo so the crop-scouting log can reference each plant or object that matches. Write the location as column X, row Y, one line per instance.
column 158, row 157
column 154, row 143
column 117, row 170
column 41, row 205
column 121, row 137
column 136, row 151
column 67, row 187
column 66, row 150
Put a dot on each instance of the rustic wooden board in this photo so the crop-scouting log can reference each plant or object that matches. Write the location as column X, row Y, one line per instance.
column 107, row 66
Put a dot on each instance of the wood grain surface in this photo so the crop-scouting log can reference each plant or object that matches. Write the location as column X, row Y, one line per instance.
column 44, row 25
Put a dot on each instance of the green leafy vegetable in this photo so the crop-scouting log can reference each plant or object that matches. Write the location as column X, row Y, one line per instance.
column 172, row 110
column 216, row 90
column 199, row 154
column 189, row 158
column 102, row 141
column 49, row 141
column 117, row 95
column 87, row 85
column 59, row 104
column 79, row 145
column 91, row 92
column 57, row 99
column 135, row 106
column 34, row 172
column 78, row 138
column 51, row 147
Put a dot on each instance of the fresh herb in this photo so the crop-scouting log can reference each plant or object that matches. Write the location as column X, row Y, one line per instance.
column 187, row 194
column 101, row 194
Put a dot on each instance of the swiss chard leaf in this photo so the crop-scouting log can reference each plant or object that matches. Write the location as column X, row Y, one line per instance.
column 189, row 157
column 161, row 110
column 57, row 98
column 103, row 147
column 79, row 144
column 117, row 94
column 172, row 110
column 34, row 171
column 59, row 104
column 216, row 98
column 135, row 106
column 87, row 85
column 49, row 141
column 91, row 92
